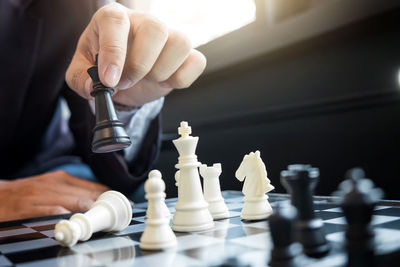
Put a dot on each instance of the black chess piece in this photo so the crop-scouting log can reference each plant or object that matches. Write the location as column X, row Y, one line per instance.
column 300, row 181
column 359, row 200
column 286, row 251
column 109, row 134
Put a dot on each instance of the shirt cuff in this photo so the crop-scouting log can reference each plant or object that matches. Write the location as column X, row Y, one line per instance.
column 139, row 124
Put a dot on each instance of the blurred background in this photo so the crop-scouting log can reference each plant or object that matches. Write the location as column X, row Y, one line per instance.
column 303, row 81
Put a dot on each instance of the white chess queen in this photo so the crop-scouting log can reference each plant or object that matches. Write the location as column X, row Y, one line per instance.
column 256, row 183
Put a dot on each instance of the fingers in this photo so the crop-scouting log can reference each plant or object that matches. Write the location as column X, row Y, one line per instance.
column 147, row 90
column 144, row 91
column 112, row 25
column 70, row 203
column 81, row 183
column 174, row 53
column 136, row 52
column 148, row 42
column 37, row 211
column 107, row 35
column 188, row 72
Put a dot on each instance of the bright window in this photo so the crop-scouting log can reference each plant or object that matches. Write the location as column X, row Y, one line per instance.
column 201, row 20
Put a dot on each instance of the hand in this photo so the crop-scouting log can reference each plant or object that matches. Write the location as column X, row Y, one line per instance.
column 137, row 52
column 48, row 194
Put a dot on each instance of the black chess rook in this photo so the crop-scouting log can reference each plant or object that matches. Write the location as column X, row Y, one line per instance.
column 108, row 134
column 300, row 182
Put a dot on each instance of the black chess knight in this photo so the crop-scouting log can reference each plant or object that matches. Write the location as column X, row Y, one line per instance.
column 109, row 133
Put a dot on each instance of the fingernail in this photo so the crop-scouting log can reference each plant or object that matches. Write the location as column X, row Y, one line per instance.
column 124, row 83
column 111, row 75
column 165, row 85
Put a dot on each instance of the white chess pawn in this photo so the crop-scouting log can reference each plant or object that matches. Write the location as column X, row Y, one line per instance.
column 157, row 234
column 191, row 209
column 212, row 191
column 111, row 212
column 156, row 174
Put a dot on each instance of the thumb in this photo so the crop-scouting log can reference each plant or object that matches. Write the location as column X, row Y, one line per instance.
column 107, row 34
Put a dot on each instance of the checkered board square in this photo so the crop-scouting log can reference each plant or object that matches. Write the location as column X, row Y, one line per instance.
column 231, row 241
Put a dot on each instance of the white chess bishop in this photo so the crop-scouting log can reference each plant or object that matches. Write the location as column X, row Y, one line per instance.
column 157, row 234
column 256, row 183
column 192, row 212
column 111, row 212
column 212, row 191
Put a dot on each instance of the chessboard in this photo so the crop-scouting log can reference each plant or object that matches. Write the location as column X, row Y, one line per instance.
column 232, row 242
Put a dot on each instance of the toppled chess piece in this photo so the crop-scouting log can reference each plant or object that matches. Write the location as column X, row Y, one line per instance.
column 256, row 183
column 286, row 251
column 157, row 234
column 300, row 181
column 109, row 133
column 359, row 200
column 111, row 212
column 156, row 174
column 212, row 191
column 192, row 212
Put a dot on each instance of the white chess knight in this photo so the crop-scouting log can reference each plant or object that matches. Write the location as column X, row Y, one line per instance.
column 212, row 191
column 256, row 183
column 192, row 212
column 156, row 174
column 157, row 234
column 111, row 212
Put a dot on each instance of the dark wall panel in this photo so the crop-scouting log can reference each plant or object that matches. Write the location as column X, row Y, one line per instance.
column 332, row 101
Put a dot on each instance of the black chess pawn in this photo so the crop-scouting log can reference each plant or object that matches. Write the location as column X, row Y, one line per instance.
column 286, row 251
column 300, row 181
column 359, row 200
column 109, row 133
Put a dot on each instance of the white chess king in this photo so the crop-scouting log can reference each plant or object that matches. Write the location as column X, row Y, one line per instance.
column 256, row 183
column 192, row 212
column 111, row 212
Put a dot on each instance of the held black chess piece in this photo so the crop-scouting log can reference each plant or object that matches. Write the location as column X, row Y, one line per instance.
column 300, row 181
column 359, row 200
column 286, row 252
column 109, row 134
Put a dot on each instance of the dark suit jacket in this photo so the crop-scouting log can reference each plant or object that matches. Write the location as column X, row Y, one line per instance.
column 37, row 41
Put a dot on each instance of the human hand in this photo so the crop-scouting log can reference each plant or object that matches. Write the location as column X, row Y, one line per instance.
column 137, row 52
column 48, row 194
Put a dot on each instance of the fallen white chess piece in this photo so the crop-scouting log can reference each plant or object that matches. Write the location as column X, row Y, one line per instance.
column 111, row 212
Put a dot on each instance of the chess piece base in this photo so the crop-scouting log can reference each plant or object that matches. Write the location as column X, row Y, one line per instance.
column 312, row 237
column 192, row 219
column 218, row 209
column 256, row 208
column 157, row 235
